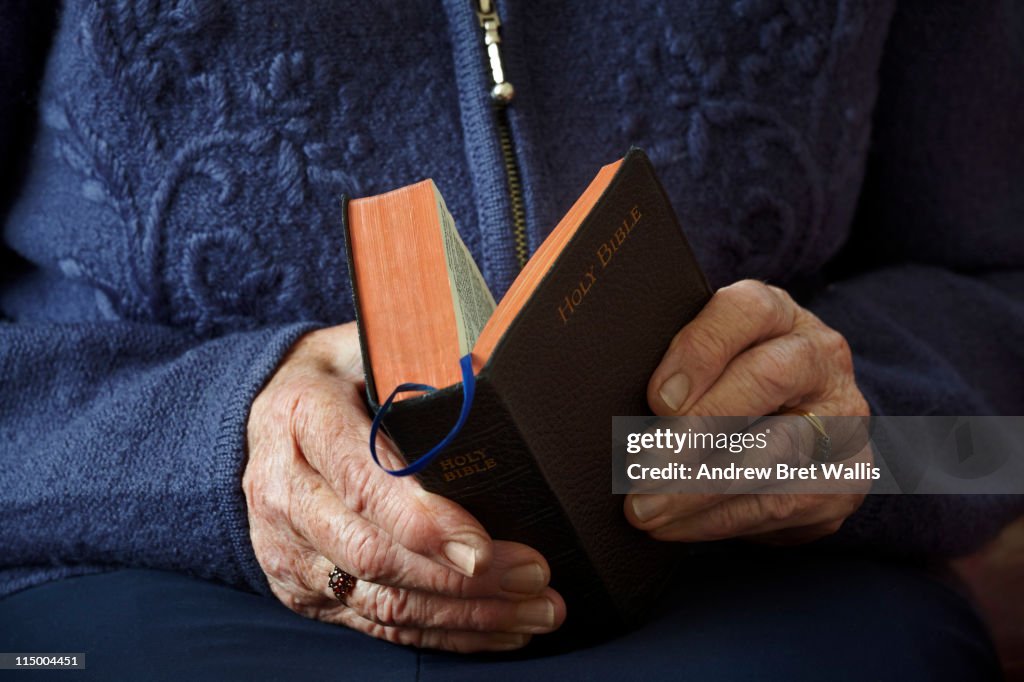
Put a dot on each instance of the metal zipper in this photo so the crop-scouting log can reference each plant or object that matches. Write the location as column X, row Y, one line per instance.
column 502, row 93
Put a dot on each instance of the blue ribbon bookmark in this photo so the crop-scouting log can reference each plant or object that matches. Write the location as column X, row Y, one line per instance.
column 468, row 390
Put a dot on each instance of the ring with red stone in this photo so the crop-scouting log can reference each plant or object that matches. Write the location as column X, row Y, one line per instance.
column 341, row 583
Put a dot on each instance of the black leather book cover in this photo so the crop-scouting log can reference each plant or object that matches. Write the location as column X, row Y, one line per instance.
column 533, row 461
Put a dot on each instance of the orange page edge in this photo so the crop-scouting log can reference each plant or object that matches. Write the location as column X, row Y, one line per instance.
column 538, row 266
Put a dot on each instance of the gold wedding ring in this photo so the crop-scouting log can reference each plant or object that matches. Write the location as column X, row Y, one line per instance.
column 823, row 442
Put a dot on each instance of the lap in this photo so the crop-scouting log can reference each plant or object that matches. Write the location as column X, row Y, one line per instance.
column 786, row 615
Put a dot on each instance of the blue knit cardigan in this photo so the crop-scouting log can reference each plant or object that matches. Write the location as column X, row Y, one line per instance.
column 171, row 221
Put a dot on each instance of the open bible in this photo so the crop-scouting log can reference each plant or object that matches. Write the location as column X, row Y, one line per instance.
column 571, row 344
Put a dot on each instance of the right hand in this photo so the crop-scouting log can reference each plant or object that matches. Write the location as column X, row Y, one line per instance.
column 428, row 573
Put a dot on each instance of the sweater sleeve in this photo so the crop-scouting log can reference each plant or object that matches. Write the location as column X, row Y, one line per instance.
column 930, row 292
column 120, row 443
column 929, row 341
column 123, row 444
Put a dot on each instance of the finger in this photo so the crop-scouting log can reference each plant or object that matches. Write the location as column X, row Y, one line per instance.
column 395, row 606
column 446, row 640
column 737, row 317
column 401, row 607
column 654, row 510
column 647, row 512
column 367, row 552
column 785, row 371
column 506, row 579
column 791, row 436
column 792, row 445
column 650, row 511
column 746, row 515
column 333, row 432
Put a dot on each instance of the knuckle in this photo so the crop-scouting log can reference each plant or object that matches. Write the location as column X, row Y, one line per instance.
column 262, row 494
column 755, row 299
column 301, row 496
column 415, row 519
column 253, row 489
column 801, row 345
column 288, row 570
column 268, row 493
column 859, row 405
column 300, row 406
column 301, row 606
column 366, row 551
column 706, row 351
column 275, row 566
column 775, row 376
column 728, row 519
column 390, row 606
column 782, row 296
column 743, row 289
column 291, row 601
column 451, row 583
column 460, row 643
column 442, row 639
column 838, row 348
column 318, row 414
column 778, row 507
column 479, row 618
column 445, row 640
column 395, row 635
column 356, row 484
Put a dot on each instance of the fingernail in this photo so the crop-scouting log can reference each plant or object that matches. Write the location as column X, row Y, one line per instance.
column 536, row 613
column 526, row 579
column 674, row 391
column 462, row 555
column 646, row 507
column 505, row 641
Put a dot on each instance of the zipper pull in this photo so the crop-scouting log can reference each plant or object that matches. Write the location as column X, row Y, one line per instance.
column 487, row 13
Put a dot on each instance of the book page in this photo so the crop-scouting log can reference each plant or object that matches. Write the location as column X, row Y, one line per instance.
column 471, row 299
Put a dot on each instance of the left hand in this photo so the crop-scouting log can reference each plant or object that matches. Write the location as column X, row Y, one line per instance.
column 752, row 351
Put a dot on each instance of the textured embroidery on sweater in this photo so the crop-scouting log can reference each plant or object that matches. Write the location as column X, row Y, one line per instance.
column 218, row 165
column 732, row 135
column 262, row 129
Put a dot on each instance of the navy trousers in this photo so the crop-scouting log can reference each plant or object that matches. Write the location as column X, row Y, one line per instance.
column 785, row 615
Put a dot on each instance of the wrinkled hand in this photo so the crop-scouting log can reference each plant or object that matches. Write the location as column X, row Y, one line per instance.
column 428, row 573
column 752, row 351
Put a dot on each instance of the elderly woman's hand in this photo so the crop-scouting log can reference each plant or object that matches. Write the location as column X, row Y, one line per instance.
column 752, row 351
column 427, row 573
